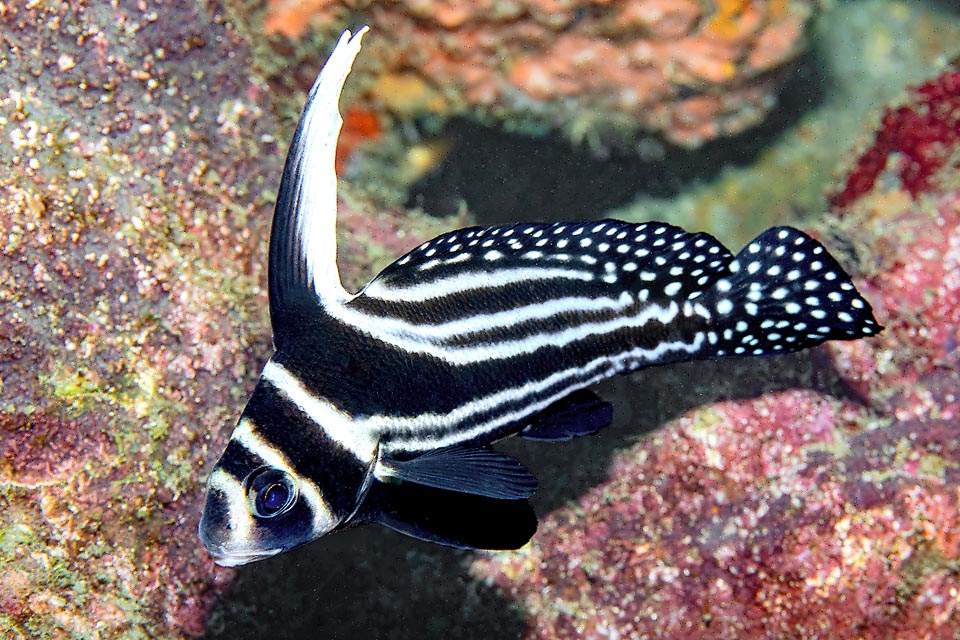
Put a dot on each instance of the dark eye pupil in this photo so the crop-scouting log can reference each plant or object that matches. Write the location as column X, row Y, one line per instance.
column 274, row 497
column 271, row 492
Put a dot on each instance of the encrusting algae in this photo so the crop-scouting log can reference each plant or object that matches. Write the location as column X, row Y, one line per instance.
column 134, row 207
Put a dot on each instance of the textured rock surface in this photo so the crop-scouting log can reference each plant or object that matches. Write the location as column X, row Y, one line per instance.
column 131, row 213
column 140, row 161
column 801, row 514
column 135, row 202
column 688, row 71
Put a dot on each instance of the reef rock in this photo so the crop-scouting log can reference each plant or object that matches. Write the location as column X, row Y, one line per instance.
column 808, row 513
column 140, row 164
column 132, row 314
column 602, row 72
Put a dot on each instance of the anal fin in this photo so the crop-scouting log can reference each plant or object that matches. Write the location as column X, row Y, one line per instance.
column 581, row 413
column 477, row 471
column 453, row 519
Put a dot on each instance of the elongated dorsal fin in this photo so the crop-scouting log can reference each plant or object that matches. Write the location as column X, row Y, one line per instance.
column 303, row 241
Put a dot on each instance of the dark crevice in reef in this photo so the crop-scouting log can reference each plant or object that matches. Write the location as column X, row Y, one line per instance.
column 505, row 177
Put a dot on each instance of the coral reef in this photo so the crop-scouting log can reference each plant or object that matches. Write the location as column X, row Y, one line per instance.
column 688, row 71
column 865, row 53
column 777, row 517
column 140, row 161
column 131, row 309
column 804, row 513
column 135, row 203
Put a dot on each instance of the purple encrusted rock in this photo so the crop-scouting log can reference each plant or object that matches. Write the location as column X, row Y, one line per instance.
column 140, row 164
column 829, row 512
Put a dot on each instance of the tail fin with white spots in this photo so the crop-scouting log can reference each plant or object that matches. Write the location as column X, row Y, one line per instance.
column 784, row 292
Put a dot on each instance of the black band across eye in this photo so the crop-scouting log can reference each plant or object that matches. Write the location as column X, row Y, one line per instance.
column 271, row 492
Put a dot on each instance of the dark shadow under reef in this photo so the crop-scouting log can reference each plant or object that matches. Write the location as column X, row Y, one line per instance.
column 363, row 583
column 373, row 583
column 506, row 177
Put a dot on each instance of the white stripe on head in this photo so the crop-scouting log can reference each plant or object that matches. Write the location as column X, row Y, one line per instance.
column 337, row 425
column 236, row 500
column 245, row 434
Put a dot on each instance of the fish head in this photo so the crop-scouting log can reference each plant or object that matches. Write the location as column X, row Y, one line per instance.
column 278, row 485
column 257, row 515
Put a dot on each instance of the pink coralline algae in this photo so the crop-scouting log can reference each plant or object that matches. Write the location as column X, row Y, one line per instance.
column 129, row 287
column 600, row 71
column 798, row 514
column 775, row 518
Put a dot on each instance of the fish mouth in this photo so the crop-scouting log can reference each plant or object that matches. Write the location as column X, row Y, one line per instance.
column 238, row 558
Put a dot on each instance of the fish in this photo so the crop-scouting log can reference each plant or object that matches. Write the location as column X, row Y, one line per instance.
column 381, row 406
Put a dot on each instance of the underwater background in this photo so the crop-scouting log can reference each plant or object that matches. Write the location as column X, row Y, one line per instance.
column 805, row 496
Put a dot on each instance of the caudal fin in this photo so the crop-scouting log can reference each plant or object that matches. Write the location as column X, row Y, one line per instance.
column 784, row 292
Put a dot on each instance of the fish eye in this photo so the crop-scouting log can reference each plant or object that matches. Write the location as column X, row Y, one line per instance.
column 271, row 492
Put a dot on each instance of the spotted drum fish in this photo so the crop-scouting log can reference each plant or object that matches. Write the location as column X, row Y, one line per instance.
column 381, row 406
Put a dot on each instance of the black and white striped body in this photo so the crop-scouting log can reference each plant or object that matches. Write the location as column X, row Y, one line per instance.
column 453, row 345
column 476, row 335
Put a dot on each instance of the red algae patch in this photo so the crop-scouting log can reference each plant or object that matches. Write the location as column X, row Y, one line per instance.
column 914, row 141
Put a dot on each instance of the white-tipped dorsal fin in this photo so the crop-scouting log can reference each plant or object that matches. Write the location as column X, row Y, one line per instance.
column 303, row 240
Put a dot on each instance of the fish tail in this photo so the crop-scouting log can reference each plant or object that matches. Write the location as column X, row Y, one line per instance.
column 783, row 292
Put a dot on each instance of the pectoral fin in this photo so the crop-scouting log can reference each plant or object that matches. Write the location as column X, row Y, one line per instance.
column 582, row 413
column 477, row 471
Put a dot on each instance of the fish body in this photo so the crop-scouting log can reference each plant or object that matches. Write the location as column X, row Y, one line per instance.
column 381, row 406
